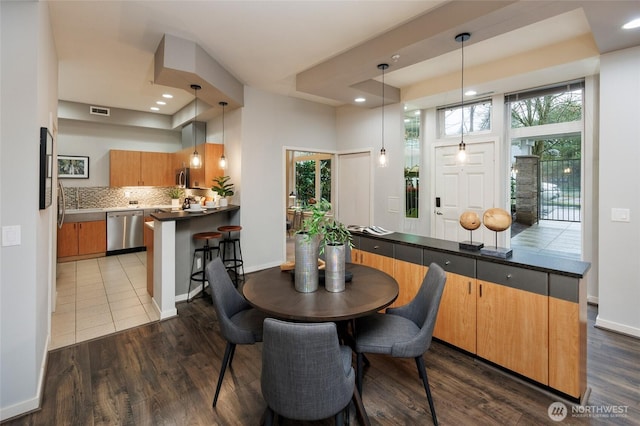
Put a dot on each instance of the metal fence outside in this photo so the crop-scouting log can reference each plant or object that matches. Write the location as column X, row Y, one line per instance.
column 560, row 190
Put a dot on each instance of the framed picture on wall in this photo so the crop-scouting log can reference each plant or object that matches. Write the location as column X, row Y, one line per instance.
column 46, row 163
column 73, row 167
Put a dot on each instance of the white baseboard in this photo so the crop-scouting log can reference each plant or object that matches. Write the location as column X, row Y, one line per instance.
column 617, row 327
column 592, row 300
column 31, row 404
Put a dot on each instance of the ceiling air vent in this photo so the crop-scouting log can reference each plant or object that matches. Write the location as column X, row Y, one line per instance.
column 105, row 112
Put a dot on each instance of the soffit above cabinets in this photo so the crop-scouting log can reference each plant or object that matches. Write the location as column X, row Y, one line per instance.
column 180, row 63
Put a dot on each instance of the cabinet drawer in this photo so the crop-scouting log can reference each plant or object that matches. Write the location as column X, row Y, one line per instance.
column 514, row 277
column 383, row 248
column 564, row 288
column 408, row 253
column 451, row 262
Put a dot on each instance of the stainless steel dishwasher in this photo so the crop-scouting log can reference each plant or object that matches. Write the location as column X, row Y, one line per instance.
column 125, row 230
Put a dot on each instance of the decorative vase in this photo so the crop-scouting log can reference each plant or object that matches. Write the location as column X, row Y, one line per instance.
column 306, row 257
column 224, row 202
column 175, row 203
column 334, row 267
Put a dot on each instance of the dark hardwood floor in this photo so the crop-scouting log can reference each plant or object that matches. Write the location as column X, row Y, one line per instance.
column 164, row 373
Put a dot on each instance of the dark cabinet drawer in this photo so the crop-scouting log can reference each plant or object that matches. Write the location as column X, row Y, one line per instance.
column 408, row 253
column 514, row 277
column 383, row 248
column 450, row 262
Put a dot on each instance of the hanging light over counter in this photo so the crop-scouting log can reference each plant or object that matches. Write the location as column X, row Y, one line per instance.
column 196, row 160
column 382, row 159
column 462, row 152
column 223, row 159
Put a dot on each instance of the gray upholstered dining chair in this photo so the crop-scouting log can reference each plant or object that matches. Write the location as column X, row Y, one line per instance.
column 239, row 323
column 405, row 331
column 306, row 374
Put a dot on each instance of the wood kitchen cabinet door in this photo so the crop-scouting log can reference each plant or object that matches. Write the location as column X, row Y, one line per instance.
column 124, row 168
column 409, row 277
column 456, row 322
column 68, row 240
column 155, row 169
column 513, row 329
column 92, row 237
column 382, row 263
column 213, row 152
column 82, row 238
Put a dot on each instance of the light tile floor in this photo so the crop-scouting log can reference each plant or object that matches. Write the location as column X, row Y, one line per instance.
column 100, row 296
column 562, row 239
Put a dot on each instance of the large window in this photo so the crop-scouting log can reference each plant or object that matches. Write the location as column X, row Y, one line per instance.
column 477, row 118
column 546, row 123
column 411, row 162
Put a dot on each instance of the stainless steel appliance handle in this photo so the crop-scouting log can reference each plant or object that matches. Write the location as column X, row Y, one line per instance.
column 61, row 204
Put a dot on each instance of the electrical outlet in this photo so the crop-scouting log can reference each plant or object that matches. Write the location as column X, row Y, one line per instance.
column 198, row 262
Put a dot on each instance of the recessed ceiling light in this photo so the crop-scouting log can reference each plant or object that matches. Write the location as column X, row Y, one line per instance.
column 470, row 93
column 632, row 24
column 359, row 99
column 154, row 109
column 161, row 102
column 167, row 95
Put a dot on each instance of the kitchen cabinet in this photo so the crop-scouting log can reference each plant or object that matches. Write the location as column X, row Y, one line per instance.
column 408, row 272
column 513, row 319
column 82, row 239
column 456, row 322
column 567, row 334
column 373, row 253
column 140, row 168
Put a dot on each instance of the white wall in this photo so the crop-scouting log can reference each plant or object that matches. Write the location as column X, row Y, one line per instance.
column 619, row 263
column 361, row 129
column 96, row 139
column 28, row 81
column 269, row 123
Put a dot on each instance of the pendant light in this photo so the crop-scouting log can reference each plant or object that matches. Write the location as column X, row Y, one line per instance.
column 462, row 154
column 196, row 159
column 382, row 160
column 223, row 159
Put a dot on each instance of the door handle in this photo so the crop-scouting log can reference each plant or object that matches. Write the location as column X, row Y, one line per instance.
column 438, row 212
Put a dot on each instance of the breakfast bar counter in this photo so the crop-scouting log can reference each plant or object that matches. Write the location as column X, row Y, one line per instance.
column 173, row 247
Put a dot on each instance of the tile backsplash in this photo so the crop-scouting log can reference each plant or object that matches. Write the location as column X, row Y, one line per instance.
column 109, row 197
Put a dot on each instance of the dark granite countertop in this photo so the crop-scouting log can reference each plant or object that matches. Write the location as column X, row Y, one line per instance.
column 539, row 262
column 179, row 214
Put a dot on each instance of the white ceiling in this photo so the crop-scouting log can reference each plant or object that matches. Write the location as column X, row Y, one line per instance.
column 106, row 48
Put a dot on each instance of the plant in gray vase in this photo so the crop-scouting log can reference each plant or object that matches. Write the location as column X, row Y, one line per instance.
column 307, row 247
column 336, row 239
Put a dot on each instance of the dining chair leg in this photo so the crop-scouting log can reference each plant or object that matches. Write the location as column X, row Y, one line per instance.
column 268, row 417
column 361, row 413
column 359, row 368
column 423, row 374
column 233, row 352
column 339, row 418
column 228, row 354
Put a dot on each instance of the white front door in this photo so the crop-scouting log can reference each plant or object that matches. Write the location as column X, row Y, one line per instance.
column 354, row 189
column 461, row 187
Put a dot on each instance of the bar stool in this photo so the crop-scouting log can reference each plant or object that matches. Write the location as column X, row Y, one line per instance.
column 197, row 274
column 227, row 245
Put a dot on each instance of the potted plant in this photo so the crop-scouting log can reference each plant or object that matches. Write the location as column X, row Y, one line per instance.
column 223, row 188
column 336, row 237
column 175, row 194
column 307, row 247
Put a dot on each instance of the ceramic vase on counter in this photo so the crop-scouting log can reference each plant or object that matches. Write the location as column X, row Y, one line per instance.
column 334, row 280
column 175, row 203
column 306, row 257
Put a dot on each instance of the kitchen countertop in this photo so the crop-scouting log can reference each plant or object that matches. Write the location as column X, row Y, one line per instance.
column 179, row 214
column 540, row 262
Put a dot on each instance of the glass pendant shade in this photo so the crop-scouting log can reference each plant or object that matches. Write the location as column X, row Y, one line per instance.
column 462, row 152
column 382, row 159
column 195, row 161
column 223, row 159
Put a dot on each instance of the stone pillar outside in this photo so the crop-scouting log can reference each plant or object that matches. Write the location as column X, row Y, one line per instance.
column 527, row 189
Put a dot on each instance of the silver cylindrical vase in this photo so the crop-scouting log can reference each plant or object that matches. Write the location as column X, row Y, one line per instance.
column 334, row 267
column 306, row 258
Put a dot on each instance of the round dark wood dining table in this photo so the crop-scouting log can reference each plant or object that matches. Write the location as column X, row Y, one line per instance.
column 272, row 291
